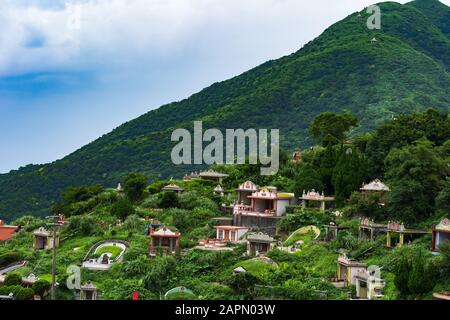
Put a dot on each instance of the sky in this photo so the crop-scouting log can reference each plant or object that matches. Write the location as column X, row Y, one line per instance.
column 73, row 70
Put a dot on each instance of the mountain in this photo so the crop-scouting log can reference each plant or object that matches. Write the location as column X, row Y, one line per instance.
column 406, row 69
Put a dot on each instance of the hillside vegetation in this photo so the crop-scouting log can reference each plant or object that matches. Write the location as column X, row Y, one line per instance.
column 340, row 71
column 412, row 153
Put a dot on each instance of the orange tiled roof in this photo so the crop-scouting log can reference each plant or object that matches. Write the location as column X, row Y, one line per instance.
column 7, row 232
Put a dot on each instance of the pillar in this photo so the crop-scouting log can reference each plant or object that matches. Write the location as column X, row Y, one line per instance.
column 303, row 204
column 322, row 205
column 402, row 238
column 433, row 241
column 388, row 239
column 338, row 271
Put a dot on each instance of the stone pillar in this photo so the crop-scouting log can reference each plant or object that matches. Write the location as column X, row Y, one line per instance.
column 338, row 271
column 402, row 239
column 322, row 205
column 388, row 239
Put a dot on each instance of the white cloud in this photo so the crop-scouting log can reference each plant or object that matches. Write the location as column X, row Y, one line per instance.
column 43, row 35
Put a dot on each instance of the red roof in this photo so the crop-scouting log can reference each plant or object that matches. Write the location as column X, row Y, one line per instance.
column 7, row 232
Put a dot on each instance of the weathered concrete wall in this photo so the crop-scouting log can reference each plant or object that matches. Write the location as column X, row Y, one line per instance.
column 255, row 223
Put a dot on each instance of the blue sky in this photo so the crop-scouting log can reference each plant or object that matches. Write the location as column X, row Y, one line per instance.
column 71, row 71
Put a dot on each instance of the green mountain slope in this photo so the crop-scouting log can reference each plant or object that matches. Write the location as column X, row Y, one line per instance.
column 342, row 71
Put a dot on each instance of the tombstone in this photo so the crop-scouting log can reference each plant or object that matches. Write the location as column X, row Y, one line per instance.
column 105, row 259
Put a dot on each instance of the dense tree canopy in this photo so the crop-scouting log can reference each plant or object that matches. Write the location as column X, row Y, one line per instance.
column 134, row 186
column 329, row 126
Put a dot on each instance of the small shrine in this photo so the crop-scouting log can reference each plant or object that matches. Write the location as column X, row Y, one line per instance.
column 368, row 286
column 259, row 243
column 441, row 234
column 88, row 291
column 395, row 228
column 173, row 188
column 332, row 230
column 212, row 175
column 368, row 229
column 376, row 186
column 192, row 176
column 165, row 239
column 244, row 191
column 347, row 269
column 7, row 232
column 239, row 270
column 296, row 156
column 29, row 280
column 219, row 190
column 267, row 201
column 43, row 239
column 315, row 197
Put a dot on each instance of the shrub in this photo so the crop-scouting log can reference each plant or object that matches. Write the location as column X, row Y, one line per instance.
column 19, row 292
column 41, row 287
column 293, row 208
column 13, row 279
column 8, row 257
column 122, row 209
column 83, row 225
column 169, row 199
column 133, row 223
column 134, row 186
column 151, row 202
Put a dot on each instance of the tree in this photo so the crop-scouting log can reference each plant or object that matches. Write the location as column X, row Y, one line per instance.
column 169, row 199
column 408, row 202
column 161, row 272
column 122, row 209
column 414, row 274
column 402, row 131
column 83, row 225
column 402, row 276
column 421, row 278
column 443, row 198
column 348, row 175
column 134, row 186
column 327, row 162
column 417, row 175
column 331, row 124
column 133, row 223
column 368, row 205
column 307, row 179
